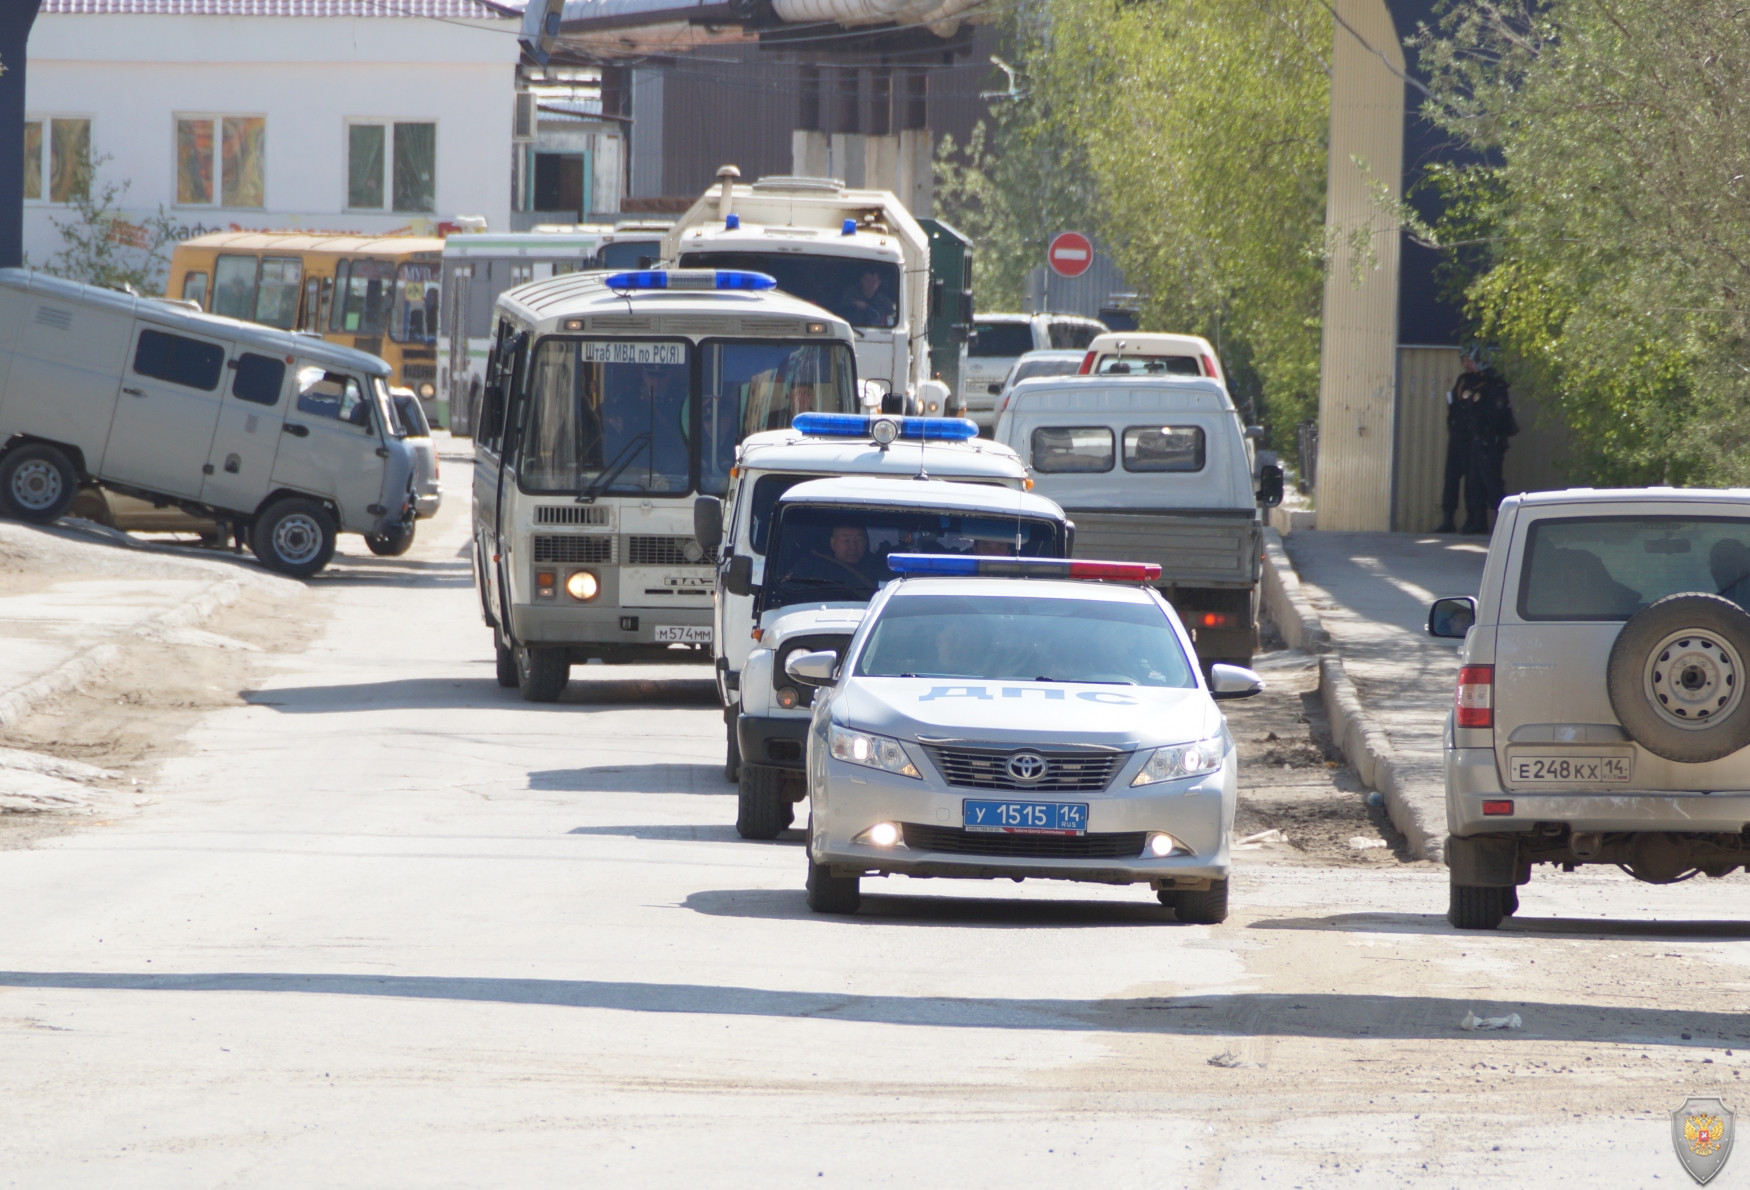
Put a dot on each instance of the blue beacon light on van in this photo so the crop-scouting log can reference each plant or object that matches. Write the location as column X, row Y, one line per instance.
column 854, row 425
column 690, row 279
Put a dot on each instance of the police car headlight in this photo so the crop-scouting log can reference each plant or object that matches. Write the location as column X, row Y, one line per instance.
column 1183, row 760
column 873, row 751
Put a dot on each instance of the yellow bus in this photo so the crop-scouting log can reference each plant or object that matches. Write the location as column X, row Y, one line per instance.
column 376, row 293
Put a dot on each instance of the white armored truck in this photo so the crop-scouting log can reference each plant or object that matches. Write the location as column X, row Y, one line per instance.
column 857, row 253
column 285, row 438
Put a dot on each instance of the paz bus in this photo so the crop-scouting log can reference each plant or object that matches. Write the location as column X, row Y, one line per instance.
column 612, row 402
column 377, row 294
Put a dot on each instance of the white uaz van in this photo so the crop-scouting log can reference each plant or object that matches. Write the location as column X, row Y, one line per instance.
column 283, row 437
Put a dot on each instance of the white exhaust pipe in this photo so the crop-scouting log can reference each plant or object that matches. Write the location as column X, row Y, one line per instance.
column 726, row 195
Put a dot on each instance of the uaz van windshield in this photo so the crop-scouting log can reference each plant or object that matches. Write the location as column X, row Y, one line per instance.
column 838, row 554
column 633, row 416
column 1020, row 638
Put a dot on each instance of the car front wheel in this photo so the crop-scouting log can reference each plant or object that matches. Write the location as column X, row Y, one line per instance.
column 1200, row 907
column 832, row 894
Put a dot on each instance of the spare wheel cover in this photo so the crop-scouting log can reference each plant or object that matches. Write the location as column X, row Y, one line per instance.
column 1677, row 674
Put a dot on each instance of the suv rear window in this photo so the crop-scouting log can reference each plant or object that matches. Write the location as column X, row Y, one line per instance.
column 1000, row 339
column 1609, row 568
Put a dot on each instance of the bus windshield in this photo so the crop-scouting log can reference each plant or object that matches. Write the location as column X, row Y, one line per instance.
column 860, row 291
column 619, row 417
column 416, row 304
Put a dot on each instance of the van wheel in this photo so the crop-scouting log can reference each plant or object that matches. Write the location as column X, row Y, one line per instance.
column 37, row 483
column 1475, row 908
column 1676, row 677
column 294, row 537
column 1199, row 907
column 392, row 544
column 542, row 673
column 762, row 804
column 832, row 894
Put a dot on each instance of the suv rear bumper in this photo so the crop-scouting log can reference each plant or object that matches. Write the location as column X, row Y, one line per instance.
column 1472, row 778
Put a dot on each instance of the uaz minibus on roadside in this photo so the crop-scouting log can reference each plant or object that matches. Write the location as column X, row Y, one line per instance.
column 612, row 400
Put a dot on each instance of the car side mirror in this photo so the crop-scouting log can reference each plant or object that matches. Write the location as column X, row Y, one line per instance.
column 1255, row 433
column 708, row 523
column 1270, row 485
column 738, row 578
column 813, row 669
column 1452, row 617
column 1233, row 681
column 1069, row 539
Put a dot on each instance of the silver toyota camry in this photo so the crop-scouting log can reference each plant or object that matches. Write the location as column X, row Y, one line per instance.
column 1021, row 718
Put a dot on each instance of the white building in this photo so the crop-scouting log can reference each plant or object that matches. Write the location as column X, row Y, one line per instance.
column 367, row 116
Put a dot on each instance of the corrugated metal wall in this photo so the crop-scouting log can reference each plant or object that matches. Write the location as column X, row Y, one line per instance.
column 1425, row 376
column 1357, row 385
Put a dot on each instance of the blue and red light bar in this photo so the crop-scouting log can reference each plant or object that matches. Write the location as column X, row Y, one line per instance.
column 691, row 279
column 968, row 565
column 857, row 425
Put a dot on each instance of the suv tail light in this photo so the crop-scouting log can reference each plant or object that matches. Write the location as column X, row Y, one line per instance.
column 1087, row 364
column 1475, row 702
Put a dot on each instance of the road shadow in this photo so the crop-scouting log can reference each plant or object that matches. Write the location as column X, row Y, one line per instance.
column 1562, row 927
column 692, row 834
column 1321, row 1015
column 659, row 777
column 432, row 693
column 898, row 909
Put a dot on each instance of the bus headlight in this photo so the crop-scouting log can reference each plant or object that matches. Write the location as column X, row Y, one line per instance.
column 583, row 586
column 428, row 390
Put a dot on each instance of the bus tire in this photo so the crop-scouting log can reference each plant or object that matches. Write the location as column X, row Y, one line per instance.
column 294, row 537
column 542, row 673
column 762, row 807
column 507, row 676
column 37, row 483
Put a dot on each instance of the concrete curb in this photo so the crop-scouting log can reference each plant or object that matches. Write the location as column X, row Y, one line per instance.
column 86, row 667
column 1361, row 740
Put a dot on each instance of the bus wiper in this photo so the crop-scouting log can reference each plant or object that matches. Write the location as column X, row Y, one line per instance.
column 622, row 460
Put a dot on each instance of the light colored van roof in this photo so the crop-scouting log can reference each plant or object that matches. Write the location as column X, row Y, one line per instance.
column 176, row 316
column 664, row 311
column 934, row 493
column 789, row 450
column 1118, row 394
column 1151, row 343
column 308, row 241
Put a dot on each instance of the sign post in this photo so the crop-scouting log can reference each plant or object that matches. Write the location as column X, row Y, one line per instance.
column 1070, row 254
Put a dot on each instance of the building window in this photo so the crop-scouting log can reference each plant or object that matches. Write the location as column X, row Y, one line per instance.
column 67, row 143
column 221, row 161
column 391, row 165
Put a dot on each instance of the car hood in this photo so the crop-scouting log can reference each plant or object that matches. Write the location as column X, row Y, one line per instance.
column 818, row 619
column 1038, row 713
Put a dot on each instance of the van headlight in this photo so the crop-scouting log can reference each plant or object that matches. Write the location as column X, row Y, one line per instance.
column 1195, row 759
column 874, row 751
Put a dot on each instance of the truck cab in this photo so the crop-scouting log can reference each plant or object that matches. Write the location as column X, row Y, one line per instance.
column 825, row 557
column 856, row 253
column 1155, row 469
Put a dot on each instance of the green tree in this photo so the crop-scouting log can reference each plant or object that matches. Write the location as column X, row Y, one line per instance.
column 1612, row 219
column 101, row 246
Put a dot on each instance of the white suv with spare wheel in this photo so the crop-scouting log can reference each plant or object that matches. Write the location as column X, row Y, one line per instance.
column 1600, row 715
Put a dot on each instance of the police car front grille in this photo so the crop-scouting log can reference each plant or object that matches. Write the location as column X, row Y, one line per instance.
column 574, row 547
column 1066, row 771
column 1110, row 845
column 662, row 551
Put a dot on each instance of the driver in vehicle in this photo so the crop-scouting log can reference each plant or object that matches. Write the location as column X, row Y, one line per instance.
column 863, row 304
column 848, row 562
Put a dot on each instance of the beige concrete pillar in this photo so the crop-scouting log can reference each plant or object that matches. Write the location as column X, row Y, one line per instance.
column 808, row 154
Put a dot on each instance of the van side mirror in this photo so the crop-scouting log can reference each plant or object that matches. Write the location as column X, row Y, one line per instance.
column 1452, row 617
column 1270, row 485
column 813, row 669
column 708, row 524
column 738, row 577
column 1069, row 539
column 1233, row 681
column 1255, row 433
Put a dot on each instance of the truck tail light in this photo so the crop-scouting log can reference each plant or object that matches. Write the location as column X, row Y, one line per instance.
column 1475, row 702
column 1087, row 364
column 1209, row 367
column 1214, row 620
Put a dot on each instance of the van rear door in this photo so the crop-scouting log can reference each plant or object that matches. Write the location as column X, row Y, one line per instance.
column 162, row 433
column 251, row 413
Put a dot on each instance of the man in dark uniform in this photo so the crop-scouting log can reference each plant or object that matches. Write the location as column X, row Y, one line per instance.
column 1495, row 425
column 1461, row 432
column 1479, row 421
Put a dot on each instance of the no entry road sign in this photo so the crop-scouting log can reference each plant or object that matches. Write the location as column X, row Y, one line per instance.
column 1070, row 255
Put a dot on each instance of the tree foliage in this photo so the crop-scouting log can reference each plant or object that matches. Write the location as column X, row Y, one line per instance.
column 1190, row 137
column 1613, row 217
column 101, row 246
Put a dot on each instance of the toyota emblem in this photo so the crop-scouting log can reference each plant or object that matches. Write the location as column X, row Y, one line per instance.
column 1026, row 766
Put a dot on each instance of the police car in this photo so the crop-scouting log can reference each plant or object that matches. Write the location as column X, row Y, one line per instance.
column 1007, row 717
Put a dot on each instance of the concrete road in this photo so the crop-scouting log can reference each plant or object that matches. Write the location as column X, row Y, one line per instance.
column 390, row 926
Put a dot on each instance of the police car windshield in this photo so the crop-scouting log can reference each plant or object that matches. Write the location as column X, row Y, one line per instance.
column 1023, row 638
column 838, row 554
